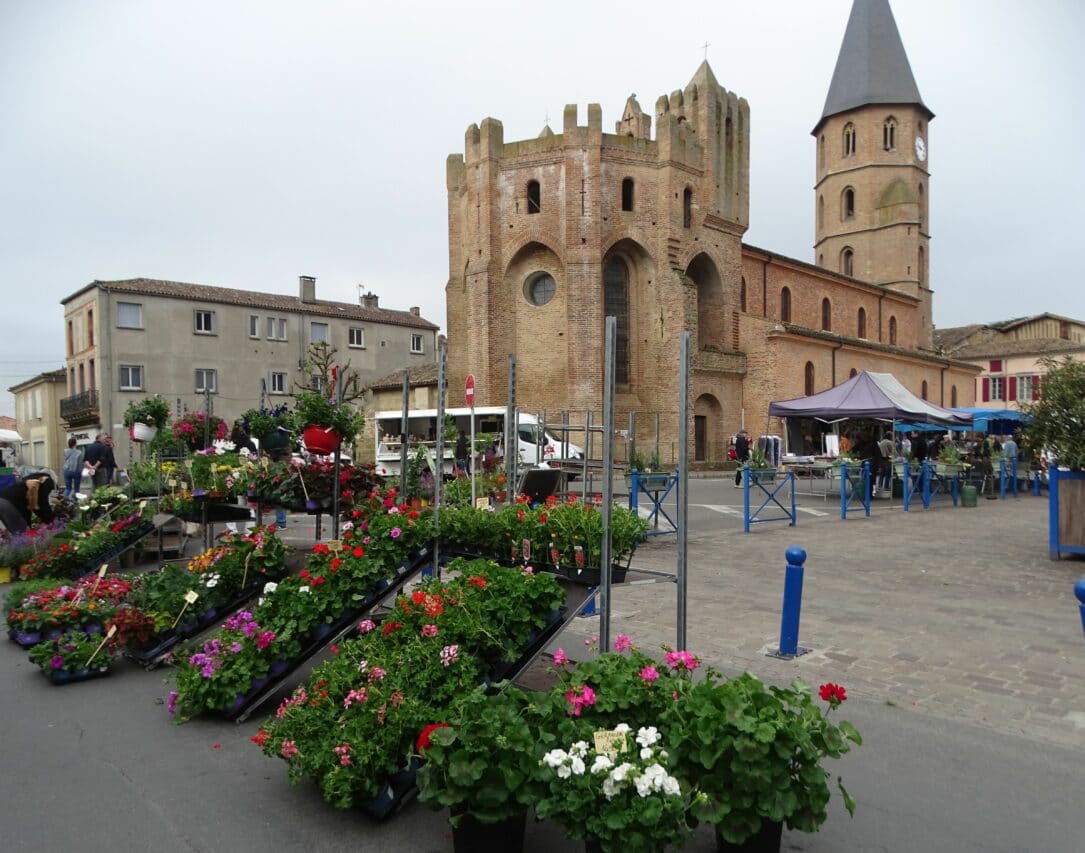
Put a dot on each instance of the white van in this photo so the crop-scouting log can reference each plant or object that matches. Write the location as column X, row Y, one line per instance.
column 534, row 446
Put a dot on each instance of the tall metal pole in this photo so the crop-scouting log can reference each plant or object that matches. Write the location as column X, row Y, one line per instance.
column 439, row 474
column 587, row 454
column 403, row 436
column 683, row 483
column 472, row 462
column 608, row 481
column 512, row 432
column 338, row 461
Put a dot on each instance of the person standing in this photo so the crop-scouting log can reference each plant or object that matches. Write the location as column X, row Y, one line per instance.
column 462, row 461
column 1009, row 450
column 919, row 447
column 742, row 454
column 888, row 451
column 108, row 467
column 240, row 438
column 73, row 469
column 92, row 456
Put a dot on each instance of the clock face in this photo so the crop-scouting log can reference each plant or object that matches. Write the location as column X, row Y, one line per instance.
column 920, row 148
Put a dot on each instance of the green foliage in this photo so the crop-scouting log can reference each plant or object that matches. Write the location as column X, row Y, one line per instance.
column 152, row 411
column 1058, row 418
column 758, row 459
column 260, row 422
column 484, row 763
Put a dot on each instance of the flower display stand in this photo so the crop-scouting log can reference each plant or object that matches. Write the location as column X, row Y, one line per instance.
column 249, row 702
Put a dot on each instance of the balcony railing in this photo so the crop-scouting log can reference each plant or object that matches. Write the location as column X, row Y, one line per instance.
column 80, row 409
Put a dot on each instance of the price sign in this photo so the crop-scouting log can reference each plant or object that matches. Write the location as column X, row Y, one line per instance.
column 482, row 503
column 610, row 743
column 191, row 596
column 171, row 482
column 335, row 545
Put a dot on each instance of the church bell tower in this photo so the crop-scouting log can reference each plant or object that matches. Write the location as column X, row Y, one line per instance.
column 872, row 194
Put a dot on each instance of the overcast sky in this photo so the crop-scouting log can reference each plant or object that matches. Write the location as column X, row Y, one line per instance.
column 241, row 144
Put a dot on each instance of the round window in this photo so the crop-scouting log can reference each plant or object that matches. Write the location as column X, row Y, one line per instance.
column 539, row 288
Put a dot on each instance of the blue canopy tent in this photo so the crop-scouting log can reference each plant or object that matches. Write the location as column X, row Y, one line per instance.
column 930, row 427
column 995, row 421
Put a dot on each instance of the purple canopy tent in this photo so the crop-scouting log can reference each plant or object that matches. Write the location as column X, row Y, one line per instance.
column 868, row 395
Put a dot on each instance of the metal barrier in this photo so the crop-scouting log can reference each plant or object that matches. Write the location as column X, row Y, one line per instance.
column 754, row 517
column 848, row 492
column 656, row 487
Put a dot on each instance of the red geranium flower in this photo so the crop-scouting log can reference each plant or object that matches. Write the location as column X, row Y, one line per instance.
column 423, row 739
column 391, row 627
column 478, row 581
column 834, row 694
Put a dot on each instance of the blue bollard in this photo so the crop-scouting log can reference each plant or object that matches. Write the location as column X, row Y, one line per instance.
column 1002, row 479
column 1079, row 591
column 280, row 518
column 634, row 487
column 925, row 478
column 906, row 485
column 1013, row 474
column 867, row 474
column 789, row 620
column 843, row 489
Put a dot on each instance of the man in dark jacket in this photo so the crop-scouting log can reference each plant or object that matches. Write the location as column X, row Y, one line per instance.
column 919, row 447
column 742, row 454
column 31, row 494
column 92, row 457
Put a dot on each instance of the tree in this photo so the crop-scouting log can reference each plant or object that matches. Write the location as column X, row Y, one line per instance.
column 318, row 373
column 1058, row 419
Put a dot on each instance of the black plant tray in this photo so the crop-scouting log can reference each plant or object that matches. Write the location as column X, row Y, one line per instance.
column 150, row 656
column 60, row 677
column 216, row 512
column 242, row 710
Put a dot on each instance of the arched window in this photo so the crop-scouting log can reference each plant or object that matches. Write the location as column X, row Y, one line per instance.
column 849, row 139
column 953, row 396
column 687, row 207
column 847, row 203
column 853, row 373
column 627, row 194
column 893, row 331
column 616, row 304
column 923, row 390
column 821, row 212
column 809, row 378
column 861, row 323
column 742, row 296
column 826, row 315
column 847, row 261
column 889, row 134
column 534, row 205
column 922, row 210
column 785, row 305
column 922, row 265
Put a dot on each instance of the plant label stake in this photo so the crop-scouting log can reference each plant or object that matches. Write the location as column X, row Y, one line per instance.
column 526, row 545
column 190, row 598
column 101, row 574
column 335, row 545
column 554, row 554
column 245, row 574
column 610, row 743
column 578, row 555
column 105, row 639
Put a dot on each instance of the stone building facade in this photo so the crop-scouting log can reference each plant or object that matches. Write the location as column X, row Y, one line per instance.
column 130, row 339
column 37, row 421
column 549, row 236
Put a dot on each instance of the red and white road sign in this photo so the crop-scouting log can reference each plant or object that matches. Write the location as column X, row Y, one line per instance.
column 469, row 390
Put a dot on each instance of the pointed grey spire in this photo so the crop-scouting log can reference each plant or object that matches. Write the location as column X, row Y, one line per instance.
column 872, row 67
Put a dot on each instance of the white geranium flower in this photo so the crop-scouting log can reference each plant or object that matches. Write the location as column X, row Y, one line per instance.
column 555, row 757
column 647, row 736
column 303, row 589
column 579, row 748
column 577, row 765
column 646, row 752
column 644, row 786
column 610, row 788
column 619, row 773
column 564, row 772
column 671, row 787
column 623, row 728
column 270, row 587
column 601, row 763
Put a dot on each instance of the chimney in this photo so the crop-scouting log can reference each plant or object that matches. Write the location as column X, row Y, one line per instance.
column 414, row 309
column 307, row 288
column 369, row 300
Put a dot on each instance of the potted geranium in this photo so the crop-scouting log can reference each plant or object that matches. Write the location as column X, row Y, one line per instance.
column 144, row 418
column 198, row 430
column 326, row 423
column 482, row 767
column 754, row 755
column 73, row 656
column 617, row 793
column 271, row 427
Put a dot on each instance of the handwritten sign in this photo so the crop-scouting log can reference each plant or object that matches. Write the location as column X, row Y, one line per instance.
column 610, row 743
column 482, row 503
column 172, row 483
column 335, row 545
column 191, row 596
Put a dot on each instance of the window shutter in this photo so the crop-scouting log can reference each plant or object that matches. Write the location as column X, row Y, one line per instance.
column 1013, row 389
column 1035, row 387
column 986, row 389
column 996, row 365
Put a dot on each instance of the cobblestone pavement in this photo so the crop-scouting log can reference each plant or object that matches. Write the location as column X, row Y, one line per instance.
column 956, row 612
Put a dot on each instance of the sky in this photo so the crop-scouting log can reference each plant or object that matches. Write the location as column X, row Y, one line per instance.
column 242, row 144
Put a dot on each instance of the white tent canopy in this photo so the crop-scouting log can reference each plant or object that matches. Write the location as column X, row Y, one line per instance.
column 10, row 436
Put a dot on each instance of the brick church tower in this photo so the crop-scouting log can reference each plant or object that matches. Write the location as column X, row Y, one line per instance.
column 548, row 236
column 873, row 188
